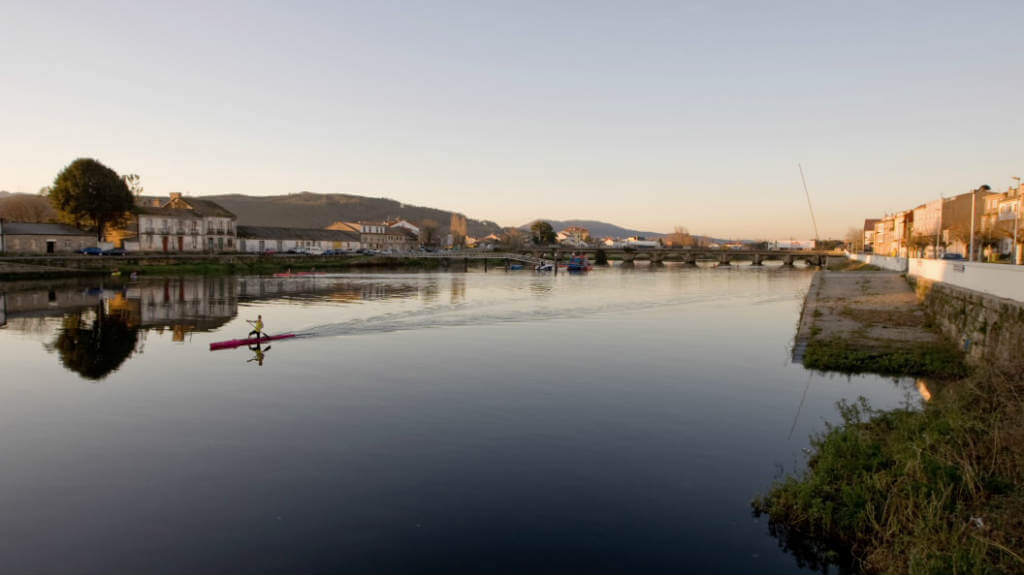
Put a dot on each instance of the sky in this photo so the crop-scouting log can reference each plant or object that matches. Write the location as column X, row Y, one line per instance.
column 649, row 115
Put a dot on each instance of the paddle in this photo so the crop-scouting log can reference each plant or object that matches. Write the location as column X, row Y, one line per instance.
column 262, row 334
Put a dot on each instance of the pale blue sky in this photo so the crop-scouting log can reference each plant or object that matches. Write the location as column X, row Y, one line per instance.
column 646, row 114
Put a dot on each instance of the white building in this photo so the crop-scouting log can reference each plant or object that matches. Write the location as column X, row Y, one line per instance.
column 181, row 224
column 791, row 244
column 262, row 239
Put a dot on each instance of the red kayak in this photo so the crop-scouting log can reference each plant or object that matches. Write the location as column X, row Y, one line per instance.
column 233, row 343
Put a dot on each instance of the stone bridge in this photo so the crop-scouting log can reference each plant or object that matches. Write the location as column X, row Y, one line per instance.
column 690, row 255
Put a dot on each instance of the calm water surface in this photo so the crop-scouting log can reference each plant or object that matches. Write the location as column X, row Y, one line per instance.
column 619, row 421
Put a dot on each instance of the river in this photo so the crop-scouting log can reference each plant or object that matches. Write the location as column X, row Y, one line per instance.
column 612, row 422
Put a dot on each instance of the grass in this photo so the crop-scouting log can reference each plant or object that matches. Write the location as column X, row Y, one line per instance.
column 922, row 359
column 931, row 490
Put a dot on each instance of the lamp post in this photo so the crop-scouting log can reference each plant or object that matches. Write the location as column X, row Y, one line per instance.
column 974, row 203
column 1016, row 223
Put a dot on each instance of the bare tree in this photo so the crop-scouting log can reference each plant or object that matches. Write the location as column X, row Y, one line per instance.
column 680, row 238
column 429, row 232
column 918, row 243
column 855, row 240
column 134, row 184
column 512, row 238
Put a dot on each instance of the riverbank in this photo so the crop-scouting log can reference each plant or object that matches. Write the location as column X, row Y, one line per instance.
column 871, row 321
column 936, row 488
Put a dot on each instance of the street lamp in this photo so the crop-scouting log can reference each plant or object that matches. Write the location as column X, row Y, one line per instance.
column 1016, row 224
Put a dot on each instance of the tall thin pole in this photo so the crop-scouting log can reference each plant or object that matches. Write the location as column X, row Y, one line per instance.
column 808, row 194
column 974, row 203
column 1016, row 223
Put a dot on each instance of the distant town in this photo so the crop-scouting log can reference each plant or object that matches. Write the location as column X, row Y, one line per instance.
column 63, row 222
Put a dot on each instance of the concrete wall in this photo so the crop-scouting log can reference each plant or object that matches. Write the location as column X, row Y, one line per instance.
column 885, row 262
column 37, row 244
column 1001, row 280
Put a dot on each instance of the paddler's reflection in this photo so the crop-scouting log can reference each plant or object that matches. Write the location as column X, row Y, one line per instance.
column 258, row 354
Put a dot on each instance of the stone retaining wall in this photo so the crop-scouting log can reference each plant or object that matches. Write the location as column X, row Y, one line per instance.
column 988, row 328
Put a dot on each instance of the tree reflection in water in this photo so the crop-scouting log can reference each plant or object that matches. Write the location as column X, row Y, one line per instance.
column 94, row 349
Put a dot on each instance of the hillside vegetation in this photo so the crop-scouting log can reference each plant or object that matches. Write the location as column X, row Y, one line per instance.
column 26, row 208
column 309, row 210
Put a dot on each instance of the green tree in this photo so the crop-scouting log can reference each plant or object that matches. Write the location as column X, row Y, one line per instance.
column 542, row 232
column 88, row 191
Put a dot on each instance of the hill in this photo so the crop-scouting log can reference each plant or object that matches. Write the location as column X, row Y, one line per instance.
column 26, row 208
column 309, row 210
column 597, row 229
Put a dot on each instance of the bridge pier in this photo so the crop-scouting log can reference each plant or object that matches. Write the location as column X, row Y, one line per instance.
column 788, row 261
column 628, row 257
column 758, row 258
column 723, row 260
column 657, row 258
column 690, row 259
column 554, row 268
column 465, row 264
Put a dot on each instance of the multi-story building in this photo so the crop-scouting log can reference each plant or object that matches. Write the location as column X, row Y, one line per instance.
column 869, row 234
column 1000, row 227
column 180, row 224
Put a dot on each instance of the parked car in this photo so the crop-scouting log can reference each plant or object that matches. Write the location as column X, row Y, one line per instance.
column 116, row 252
column 91, row 251
column 952, row 257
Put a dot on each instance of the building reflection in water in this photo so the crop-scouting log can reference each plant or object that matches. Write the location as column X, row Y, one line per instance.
column 103, row 322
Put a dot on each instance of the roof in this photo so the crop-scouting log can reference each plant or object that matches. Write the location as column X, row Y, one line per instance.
column 869, row 224
column 27, row 229
column 347, row 226
column 275, row 233
column 167, row 212
column 208, row 208
column 409, row 234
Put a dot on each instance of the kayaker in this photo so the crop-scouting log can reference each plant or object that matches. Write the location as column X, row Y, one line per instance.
column 257, row 327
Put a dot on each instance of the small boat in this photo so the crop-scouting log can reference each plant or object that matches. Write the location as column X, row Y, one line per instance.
column 544, row 268
column 233, row 343
column 515, row 267
column 578, row 264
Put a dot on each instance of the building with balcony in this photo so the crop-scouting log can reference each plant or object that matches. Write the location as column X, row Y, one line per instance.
column 180, row 224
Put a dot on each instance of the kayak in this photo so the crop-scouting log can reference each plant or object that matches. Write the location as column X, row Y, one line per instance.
column 233, row 343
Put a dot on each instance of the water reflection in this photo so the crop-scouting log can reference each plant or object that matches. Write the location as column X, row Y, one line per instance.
column 93, row 344
column 613, row 422
column 104, row 321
